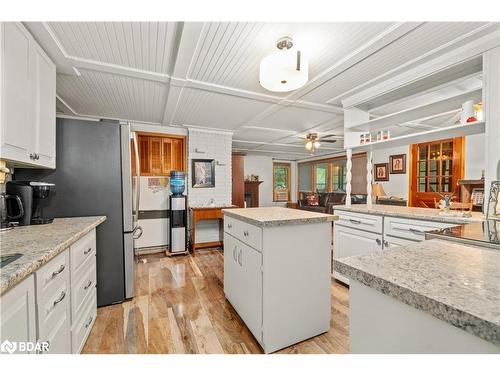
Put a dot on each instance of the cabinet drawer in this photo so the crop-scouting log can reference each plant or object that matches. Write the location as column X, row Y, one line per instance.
column 411, row 229
column 247, row 233
column 52, row 307
column 82, row 249
column 82, row 285
column 84, row 324
column 371, row 223
column 59, row 337
column 52, row 275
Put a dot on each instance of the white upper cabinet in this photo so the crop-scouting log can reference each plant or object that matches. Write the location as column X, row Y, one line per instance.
column 27, row 99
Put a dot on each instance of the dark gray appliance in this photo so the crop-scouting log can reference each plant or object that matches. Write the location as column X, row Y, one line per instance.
column 93, row 177
column 31, row 194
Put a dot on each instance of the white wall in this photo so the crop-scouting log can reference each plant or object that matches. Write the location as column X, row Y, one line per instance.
column 262, row 166
column 398, row 184
column 475, row 161
column 208, row 144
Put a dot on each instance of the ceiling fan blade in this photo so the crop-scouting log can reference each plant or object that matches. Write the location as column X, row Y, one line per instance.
column 328, row 140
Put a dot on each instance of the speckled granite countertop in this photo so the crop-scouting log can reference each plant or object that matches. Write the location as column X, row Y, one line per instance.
column 459, row 284
column 39, row 244
column 411, row 213
column 277, row 216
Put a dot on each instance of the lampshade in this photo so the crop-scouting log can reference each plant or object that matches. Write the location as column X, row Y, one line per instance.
column 378, row 190
column 284, row 70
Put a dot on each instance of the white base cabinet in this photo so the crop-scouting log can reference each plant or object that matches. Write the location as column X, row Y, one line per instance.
column 18, row 316
column 278, row 280
column 27, row 99
column 359, row 234
column 57, row 304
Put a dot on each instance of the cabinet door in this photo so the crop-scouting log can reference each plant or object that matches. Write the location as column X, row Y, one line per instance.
column 166, row 157
column 17, row 313
column 144, row 155
column 177, row 154
column 249, row 288
column 44, row 91
column 155, row 145
column 16, row 113
column 348, row 242
column 230, row 268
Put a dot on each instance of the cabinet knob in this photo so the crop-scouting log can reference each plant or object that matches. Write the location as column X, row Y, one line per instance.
column 386, row 244
column 379, row 242
column 230, row 226
column 32, row 156
column 245, row 233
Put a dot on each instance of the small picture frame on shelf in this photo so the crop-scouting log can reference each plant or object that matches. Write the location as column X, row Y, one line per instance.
column 203, row 173
column 397, row 164
column 381, row 172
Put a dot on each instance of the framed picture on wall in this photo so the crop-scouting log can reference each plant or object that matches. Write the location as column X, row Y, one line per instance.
column 381, row 172
column 203, row 173
column 397, row 164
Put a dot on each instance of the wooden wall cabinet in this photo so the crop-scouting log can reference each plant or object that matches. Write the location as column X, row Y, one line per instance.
column 159, row 154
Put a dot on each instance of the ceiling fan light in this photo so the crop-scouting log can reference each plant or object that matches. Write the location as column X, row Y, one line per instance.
column 284, row 70
column 317, row 144
column 309, row 145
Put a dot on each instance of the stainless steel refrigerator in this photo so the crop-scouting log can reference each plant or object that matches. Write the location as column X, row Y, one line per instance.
column 93, row 176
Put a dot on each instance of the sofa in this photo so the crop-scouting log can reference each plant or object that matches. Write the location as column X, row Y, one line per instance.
column 327, row 201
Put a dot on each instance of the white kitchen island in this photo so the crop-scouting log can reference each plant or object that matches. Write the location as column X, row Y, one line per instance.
column 277, row 272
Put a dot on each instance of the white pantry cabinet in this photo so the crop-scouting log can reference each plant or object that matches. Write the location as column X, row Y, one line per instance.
column 27, row 99
column 17, row 315
column 278, row 279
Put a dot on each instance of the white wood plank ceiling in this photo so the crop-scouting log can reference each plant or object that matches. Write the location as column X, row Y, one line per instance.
column 206, row 74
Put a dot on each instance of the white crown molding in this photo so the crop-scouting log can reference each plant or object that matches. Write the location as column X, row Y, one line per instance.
column 260, row 143
column 409, row 63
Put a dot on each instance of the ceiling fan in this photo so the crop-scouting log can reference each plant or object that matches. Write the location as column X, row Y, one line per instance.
column 312, row 141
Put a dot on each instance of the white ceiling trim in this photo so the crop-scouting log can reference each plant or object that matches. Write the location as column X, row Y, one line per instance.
column 282, row 144
column 207, row 129
column 409, row 63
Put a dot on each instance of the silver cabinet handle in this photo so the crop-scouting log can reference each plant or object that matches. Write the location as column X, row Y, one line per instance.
column 245, row 233
column 354, row 221
column 89, row 283
column 229, row 226
column 87, row 251
column 61, row 297
column 386, row 244
column 32, row 156
column 234, row 253
column 55, row 273
column 37, row 156
column 89, row 322
column 416, row 231
column 240, row 258
column 379, row 242
column 135, row 235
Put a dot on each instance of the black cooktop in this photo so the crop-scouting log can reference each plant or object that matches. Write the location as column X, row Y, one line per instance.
column 486, row 233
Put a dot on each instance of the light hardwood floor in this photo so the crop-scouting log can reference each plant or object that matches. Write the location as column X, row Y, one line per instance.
column 180, row 307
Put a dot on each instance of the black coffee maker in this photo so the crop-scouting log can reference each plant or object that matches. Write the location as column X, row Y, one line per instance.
column 31, row 194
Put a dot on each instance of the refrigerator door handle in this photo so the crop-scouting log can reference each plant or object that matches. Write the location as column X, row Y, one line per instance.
column 135, row 234
column 138, row 178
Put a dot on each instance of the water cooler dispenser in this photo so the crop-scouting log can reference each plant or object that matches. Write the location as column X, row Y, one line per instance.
column 178, row 213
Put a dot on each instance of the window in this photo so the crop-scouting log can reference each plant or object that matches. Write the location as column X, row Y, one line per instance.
column 281, row 182
column 339, row 178
column 321, row 177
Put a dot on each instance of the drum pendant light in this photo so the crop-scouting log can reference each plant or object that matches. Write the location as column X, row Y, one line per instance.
column 284, row 70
